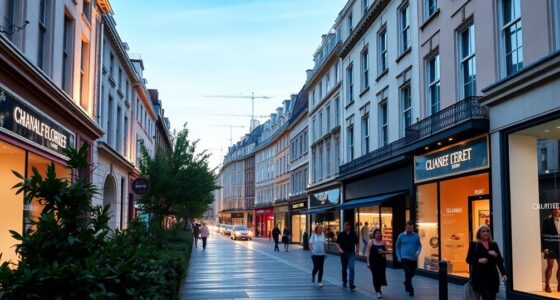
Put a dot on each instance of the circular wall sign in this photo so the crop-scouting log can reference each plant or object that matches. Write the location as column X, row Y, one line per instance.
column 140, row 186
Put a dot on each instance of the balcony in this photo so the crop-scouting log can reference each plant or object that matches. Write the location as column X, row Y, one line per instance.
column 465, row 110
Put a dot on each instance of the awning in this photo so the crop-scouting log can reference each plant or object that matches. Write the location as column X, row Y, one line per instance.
column 318, row 210
column 370, row 201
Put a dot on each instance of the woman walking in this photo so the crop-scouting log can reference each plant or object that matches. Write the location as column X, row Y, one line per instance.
column 275, row 234
column 376, row 261
column 485, row 260
column 286, row 238
column 317, row 247
column 196, row 234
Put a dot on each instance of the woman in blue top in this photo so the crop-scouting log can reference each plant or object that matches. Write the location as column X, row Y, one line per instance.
column 317, row 246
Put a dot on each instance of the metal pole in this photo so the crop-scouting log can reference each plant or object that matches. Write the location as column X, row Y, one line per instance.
column 443, row 293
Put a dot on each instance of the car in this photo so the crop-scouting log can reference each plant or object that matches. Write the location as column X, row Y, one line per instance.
column 227, row 229
column 241, row 232
column 218, row 228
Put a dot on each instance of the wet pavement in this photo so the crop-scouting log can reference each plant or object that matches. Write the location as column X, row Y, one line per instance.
column 251, row 270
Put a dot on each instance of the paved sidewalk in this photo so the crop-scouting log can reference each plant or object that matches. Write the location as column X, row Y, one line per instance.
column 251, row 270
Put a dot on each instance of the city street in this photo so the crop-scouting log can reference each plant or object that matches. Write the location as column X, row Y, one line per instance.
column 250, row 269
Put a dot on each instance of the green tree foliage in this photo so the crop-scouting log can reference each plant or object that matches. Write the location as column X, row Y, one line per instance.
column 72, row 254
column 181, row 182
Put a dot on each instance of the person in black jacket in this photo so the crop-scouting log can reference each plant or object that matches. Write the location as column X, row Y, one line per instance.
column 550, row 245
column 276, row 236
column 196, row 234
column 485, row 260
column 286, row 238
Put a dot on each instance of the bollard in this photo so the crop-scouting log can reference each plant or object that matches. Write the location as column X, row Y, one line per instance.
column 305, row 241
column 443, row 294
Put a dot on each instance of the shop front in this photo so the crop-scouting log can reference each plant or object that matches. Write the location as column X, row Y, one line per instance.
column 322, row 211
column 379, row 201
column 452, row 200
column 281, row 216
column 264, row 221
column 298, row 220
column 31, row 138
column 237, row 218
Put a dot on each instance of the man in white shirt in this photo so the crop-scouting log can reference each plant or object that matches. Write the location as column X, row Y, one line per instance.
column 204, row 233
column 364, row 234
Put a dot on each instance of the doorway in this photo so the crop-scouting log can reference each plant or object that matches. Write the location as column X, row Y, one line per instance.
column 479, row 214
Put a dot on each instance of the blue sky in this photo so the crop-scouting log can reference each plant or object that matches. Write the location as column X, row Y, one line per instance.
column 194, row 48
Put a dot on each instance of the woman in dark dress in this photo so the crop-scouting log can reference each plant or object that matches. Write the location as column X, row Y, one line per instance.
column 286, row 238
column 376, row 261
column 485, row 260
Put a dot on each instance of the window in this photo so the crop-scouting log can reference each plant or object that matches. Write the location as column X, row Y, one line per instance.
column 328, row 80
column 127, row 90
column 430, row 8
column 119, row 131
column 84, row 78
column 43, row 45
column 10, row 18
column 382, row 56
column 365, row 134
column 313, row 132
column 337, row 111
column 111, row 65
column 404, row 28
column 365, row 69
column 120, row 79
column 337, row 152
column 328, row 158
column 67, row 55
column 86, row 9
column 336, row 74
column 328, row 118
column 467, row 63
column 320, row 159
column 433, row 85
column 125, row 137
column 406, row 109
column 320, row 124
column 512, row 35
column 383, row 124
column 364, row 5
column 350, row 142
column 314, row 159
column 320, row 90
column 110, row 121
column 349, row 23
column 349, row 85
column 313, row 98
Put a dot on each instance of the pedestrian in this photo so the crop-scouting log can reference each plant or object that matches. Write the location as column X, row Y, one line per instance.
column 196, row 234
column 275, row 236
column 376, row 261
column 317, row 247
column 364, row 234
column 485, row 260
column 204, row 233
column 551, row 247
column 408, row 248
column 347, row 244
column 286, row 238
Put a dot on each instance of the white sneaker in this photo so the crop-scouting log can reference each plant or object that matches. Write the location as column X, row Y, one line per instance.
column 320, row 284
column 378, row 295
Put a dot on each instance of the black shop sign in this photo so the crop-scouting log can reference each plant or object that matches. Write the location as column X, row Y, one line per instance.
column 21, row 120
column 460, row 158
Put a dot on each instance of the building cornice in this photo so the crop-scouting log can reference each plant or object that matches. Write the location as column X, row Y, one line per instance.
column 362, row 27
column 103, row 147
column 324, row 68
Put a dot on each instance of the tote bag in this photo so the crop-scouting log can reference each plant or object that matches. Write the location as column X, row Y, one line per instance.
column 470, row 293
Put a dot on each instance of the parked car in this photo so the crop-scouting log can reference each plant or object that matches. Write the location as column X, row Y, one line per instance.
column 227, row 229
column 241, row 232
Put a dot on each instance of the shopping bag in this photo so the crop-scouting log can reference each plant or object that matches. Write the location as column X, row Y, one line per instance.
column 470, row 293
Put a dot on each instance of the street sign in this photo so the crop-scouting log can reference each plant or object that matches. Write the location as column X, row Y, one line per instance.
column 140, row 186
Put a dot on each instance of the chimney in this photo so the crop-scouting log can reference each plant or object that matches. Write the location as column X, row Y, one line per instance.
column 286, row 104
column 273, row 118
column 254, row 124
column 279, row 111
column 309, row 74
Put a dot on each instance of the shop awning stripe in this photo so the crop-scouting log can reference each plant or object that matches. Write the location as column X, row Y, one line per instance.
column 370, row 201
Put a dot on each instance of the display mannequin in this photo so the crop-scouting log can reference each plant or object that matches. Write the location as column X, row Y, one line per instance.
column 551, row 247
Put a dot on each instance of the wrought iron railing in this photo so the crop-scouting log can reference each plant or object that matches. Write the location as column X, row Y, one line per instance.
column 464, row 110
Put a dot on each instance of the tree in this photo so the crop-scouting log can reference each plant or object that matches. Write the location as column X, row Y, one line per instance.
column 181, row 182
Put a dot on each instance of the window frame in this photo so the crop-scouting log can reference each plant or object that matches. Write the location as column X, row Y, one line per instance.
column 383, row 108
column 364, row 64
column 350, row 84
column 428, row 12
column 469, row 28
column 404, row 42
column 403, row 109
column 382, row 51
column 365, row 128
column 503, row 27
column 429, row 84
column 350, row 142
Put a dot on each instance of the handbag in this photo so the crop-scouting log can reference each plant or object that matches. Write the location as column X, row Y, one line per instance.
column 470, row 293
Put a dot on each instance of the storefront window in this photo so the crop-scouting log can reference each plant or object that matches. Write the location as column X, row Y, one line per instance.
column 367, row 219
column 534, row 180
column 456, row 196
column 387, row 228
column 298, row 227
column 427, row 220
column 11, row 218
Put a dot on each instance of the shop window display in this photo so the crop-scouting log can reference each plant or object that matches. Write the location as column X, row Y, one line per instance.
column 331, row 223
column 370, row 218
column 534, row 180
column 298, row 227
column 427, row 220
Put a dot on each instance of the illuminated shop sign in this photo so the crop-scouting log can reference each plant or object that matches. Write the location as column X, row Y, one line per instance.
column 22, row 120
column 299, row 205
column 464, row 157
column 329, row 197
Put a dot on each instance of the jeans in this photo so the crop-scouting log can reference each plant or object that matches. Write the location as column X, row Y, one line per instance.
column 195, row 242
column 318, row 263
column 409, row 267
column 276, row 245
column 204, row 242
column 348, row 260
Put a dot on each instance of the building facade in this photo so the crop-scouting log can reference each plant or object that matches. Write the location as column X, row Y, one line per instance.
column 47, row 96
column 281, row 161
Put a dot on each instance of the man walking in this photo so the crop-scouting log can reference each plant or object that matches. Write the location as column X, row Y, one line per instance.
column 196, row 234
column 347, row 244
column 204, row 235
column 276, row 235
column 407, row 249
